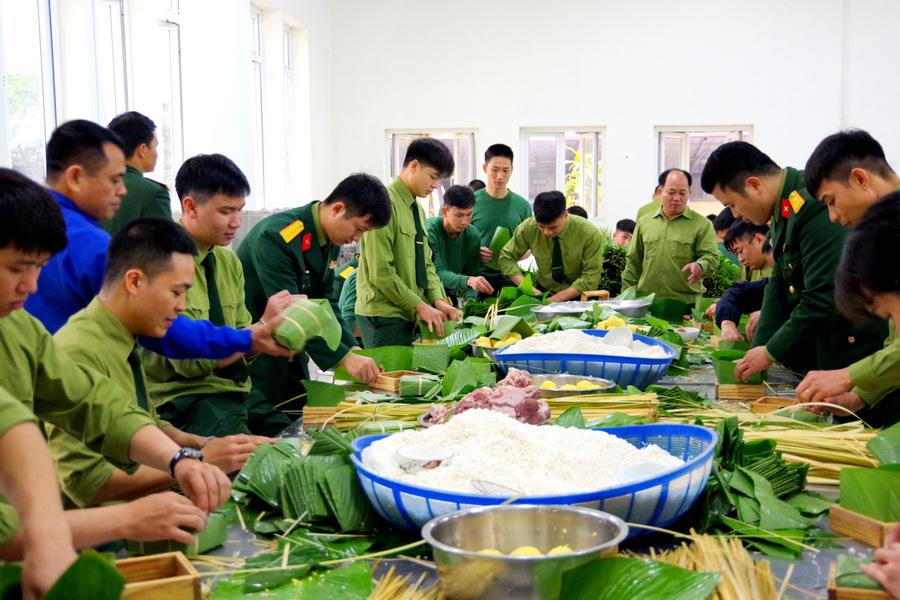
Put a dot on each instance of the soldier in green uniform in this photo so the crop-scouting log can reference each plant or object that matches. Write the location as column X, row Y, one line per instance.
column 456, row 245
column 44, row 382
column 143, row 197
column 347, row 302
column 293, row 250
column 497, row 206
column 672, row 246
column 397, row 282
column 568, row 250
column 342, row 273
column 799, row 325
column 202, row 396
column 148, row 260
column 746, row 241
column 849, row 173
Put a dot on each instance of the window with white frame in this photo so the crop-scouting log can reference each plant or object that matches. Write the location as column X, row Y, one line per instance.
column 109, row 45
column 689, row 148
column 168, row 116
column 288, row 106
column 257, row 197
column 27, row 90
column 460, row 143
column 565, row 160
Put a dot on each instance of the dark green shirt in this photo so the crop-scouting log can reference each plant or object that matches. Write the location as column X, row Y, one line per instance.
column 144, row 198
column 455, row 259
column 289, row 251
column 491, row 213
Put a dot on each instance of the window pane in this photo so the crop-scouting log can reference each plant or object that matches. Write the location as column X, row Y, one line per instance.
column 111, row 86
column 573, row 169
column 702, row 145
column 671, row 152
column 541, row 164
column 257, row 193
column 464, row 172
column 167, row 74
column 25, row 74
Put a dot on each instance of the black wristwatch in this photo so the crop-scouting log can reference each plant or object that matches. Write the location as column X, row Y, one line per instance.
column 184, row 453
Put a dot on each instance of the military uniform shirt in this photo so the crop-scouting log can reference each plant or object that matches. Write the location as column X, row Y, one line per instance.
column 582, row 254
column 143, row 198
column 491, row 213
column 96, row 339
column 455, row 259
column 386, row 283
column 661, row 248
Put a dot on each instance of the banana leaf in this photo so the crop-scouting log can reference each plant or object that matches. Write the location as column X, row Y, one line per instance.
column 885, row 446
column 507, row 324
column 93, row 576
column 785, row 546
column 810, row 504
column 698, row 313
column 500, row 239
column 305, row 319
column 572, row 417
column 213, row 536
column 741, row 345
column 463, row 376
column 432, row 358
column 617, row 419
column 261, row 476
column 636, row 579
column 382, row 427
column 330, row 442
column 849, row 575
column 449, row 328
column 322, row 393
column 874, row 493
column 418, row 385
column 392, row 358
column 347, row 500
column 527, row 286
column 560, row 323
column 669, row 309
column 775, row 513
column 353, row 582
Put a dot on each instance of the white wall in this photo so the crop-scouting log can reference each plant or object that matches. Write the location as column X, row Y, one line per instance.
column 629, row 66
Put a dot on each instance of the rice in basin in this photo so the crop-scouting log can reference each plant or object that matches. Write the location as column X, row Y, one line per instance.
column 574, row 341
column 535, row 460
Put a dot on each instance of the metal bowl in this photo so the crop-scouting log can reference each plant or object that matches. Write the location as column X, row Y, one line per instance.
column 483, row 351
column 561, row 380
column 626, row 308
column 457, row 539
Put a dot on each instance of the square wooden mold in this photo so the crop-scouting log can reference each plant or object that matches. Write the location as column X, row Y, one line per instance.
column 739, row 391
column 170, row 576
column 767, row 404
column 859, row 527
column 390, row 381
column 710, row 327
column 845, row 593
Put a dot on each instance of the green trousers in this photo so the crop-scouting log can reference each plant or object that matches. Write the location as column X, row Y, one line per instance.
column 225, row 414
column 278, row 379
column 385, row 331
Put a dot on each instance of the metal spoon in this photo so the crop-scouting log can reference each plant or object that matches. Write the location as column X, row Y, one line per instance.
column 639, row 472
column 489, row 488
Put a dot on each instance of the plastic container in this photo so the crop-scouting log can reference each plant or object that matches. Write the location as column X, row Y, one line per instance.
column 657, row 501
column 623, row 370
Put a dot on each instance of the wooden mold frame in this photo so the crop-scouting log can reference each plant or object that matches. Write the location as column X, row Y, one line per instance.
column 859, row 527
column 739, row 391
column 170, row 576
column 390, row 381
column 710, row 327
column 845, row 593
column 767, row 404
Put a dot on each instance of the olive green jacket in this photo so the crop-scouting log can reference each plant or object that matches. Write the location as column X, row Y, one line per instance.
column 143, row 198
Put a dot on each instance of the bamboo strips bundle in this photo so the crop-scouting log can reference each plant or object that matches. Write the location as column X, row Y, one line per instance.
column 394, row 587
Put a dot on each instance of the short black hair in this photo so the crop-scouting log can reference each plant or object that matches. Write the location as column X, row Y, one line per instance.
column 731, row 164
column 476, row 184
column 79, row 142
column 146, row 243
column 134, row 129
column 742, row 230
column 626, row 225
column 577, row 210
column 724, row 220
column 459, row 196
column 431, row 153
column 840, row 153
column 498, row 151
column 363, row 195
column 665, row 174
column 549, row 206
column 868, row 262
column 30, row 217
column 205, row 175
column 767, row 245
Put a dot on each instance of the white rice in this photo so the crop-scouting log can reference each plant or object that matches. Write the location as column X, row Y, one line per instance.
column 574, row 341
column 535, row 460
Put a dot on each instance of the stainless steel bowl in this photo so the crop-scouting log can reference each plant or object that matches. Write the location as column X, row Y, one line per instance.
column 483, row 351
column 626, row 308
column 561, row 380
column 457, row 539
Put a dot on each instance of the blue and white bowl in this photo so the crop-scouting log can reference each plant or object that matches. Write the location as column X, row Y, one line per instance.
column 657, row 501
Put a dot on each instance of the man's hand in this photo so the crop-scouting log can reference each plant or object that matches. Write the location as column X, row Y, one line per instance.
column 262, row 330
column 696, row 272
column 361, row 367
column 886, row 568
column 849, row 401
column 450, row 313
column 819, row 385
column 206, row 485
column 432, row 317
column 162, row 517
column 486, row 254
column 230, row 453
column 730, row 331
column 752, row 322
column 48, row 553
column 755, row 361
column 711, row 312
column 480, row 284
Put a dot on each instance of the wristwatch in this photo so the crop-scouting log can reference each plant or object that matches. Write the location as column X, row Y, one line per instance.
column 181, row 454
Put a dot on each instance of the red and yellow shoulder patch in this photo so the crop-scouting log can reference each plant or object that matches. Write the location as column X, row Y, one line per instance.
column 796, row 201
column 291, row 231
column 346, row 272
column 306, row 244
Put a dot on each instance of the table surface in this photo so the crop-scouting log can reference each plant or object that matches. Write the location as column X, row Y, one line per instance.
column 809, row 576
